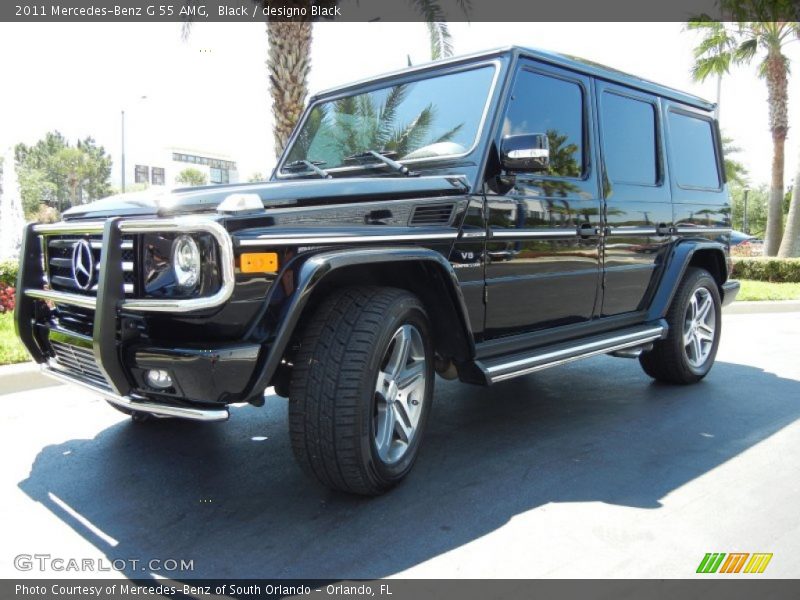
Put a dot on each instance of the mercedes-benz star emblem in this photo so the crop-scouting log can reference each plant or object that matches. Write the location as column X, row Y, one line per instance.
column 82, row 265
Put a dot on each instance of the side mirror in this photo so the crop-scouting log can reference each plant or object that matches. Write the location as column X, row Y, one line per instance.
column 526, row 152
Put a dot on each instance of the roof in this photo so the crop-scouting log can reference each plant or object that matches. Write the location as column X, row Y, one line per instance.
column 572, row 63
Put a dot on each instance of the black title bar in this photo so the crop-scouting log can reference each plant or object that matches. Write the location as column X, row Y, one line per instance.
column 145, row 11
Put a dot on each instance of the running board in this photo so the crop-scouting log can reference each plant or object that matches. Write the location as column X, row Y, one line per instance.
column 507, row 367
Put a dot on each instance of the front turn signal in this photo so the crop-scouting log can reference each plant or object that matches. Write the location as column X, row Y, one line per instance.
column 259, row 262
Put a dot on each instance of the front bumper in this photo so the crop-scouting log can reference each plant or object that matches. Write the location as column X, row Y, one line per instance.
column 111, row 358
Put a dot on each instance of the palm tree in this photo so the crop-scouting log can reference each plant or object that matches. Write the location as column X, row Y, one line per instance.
column 713, row 54
column 289, row 59
column 740, row 43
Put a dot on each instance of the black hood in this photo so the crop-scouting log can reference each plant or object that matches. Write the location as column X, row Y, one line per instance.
column 304, row 192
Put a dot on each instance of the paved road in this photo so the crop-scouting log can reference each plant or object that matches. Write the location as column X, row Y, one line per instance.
column 588, row 470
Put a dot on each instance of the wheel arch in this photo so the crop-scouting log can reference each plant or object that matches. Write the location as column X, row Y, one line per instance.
column 422, row 271
column 706, row 254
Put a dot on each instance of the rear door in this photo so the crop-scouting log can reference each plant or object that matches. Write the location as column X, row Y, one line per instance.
column 637, row 204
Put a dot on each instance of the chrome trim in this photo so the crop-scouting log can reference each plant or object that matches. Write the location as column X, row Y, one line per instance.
column 498, row 67
column 623, row 231
column 529, row 153
column 703, row 230
column 534, row 233
column 305, row 240
column 63, row 298
column 564, row 356
column 176, row 225
column 162, row 410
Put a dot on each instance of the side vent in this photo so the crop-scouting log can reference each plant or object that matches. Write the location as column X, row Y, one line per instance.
column 432, row 214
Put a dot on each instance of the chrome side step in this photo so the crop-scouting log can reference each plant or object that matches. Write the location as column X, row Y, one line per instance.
column 158, row 410
column 507, row 367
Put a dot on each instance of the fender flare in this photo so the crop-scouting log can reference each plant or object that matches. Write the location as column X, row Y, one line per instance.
column 311, row 272
column 675, row 265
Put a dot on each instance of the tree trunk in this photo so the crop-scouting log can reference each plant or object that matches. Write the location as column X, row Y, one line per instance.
column 777, row 66
column 790, row 246
column 288, row 64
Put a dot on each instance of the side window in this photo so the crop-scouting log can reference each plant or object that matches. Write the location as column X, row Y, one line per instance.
column 694, row 158
column 553, row 106
column 629, row 139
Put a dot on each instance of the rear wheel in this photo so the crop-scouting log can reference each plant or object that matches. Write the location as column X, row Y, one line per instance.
column 361, row 389
column 687, row 354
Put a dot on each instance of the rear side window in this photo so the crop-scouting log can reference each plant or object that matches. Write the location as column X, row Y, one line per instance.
column 629, row 139
column 694, row 158
column 552, row 106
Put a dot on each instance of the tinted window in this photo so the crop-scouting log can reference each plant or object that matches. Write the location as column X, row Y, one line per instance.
column 692, row 150
column 542, row 104
column 629, row 139
column 430, row 118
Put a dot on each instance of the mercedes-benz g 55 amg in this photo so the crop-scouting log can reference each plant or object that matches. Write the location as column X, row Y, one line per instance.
column 482, row 218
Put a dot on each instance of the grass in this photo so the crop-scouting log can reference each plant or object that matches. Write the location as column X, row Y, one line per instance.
column 764, row 290
column 11, row 350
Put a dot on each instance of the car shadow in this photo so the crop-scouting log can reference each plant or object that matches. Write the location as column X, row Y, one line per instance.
column 230, row 497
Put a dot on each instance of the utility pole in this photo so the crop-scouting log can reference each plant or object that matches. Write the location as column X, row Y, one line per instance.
column 744, row 216
column 123, row 151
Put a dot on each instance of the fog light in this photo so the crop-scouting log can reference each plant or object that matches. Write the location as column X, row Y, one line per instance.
column 158, row 379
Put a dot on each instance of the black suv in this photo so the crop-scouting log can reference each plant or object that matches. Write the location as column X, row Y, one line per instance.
column 479, row 218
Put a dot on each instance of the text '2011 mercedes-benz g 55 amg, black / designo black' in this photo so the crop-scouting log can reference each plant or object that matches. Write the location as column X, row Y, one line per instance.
column 479, row 218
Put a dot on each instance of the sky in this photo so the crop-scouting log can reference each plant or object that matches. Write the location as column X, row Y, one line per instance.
column 210, row 93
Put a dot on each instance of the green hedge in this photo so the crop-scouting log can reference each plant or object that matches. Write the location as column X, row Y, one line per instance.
column 776, row 270
column 8, row 272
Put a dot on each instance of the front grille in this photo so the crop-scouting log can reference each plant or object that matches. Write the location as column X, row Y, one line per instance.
column 61, row 270
column 78, row 361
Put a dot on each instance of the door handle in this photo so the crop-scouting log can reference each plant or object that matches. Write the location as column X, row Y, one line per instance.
column 588, row 230
column 664, row 229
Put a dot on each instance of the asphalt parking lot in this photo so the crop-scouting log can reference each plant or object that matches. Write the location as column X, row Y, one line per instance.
column 587, row 470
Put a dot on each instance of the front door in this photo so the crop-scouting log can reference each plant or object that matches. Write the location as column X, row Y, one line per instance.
column 543, row 244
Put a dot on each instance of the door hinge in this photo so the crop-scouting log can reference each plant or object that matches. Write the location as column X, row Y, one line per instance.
column 486, row 294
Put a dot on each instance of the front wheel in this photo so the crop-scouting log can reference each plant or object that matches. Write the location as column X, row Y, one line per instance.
column 687, row 354
column 361, row 389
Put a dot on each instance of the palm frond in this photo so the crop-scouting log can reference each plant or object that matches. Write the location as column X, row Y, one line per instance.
column 409, row 138
column 441, row 40
column 746, row 50
column 449, row 135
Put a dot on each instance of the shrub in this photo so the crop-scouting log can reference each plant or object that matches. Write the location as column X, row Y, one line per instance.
column 8, row 272
column 776, row 270
column 6, row 298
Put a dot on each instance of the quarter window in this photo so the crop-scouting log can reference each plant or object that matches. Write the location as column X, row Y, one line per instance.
column 552, row 106
column 693, row 153
column 629, row 139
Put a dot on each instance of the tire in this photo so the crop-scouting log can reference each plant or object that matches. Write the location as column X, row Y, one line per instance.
column 358, row 403
column 687, row 354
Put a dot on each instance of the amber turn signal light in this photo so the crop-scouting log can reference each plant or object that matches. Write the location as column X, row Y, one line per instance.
column 259, row 262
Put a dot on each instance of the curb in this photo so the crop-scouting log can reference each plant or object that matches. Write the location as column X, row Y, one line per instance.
column 22, row 377
column 762, row 306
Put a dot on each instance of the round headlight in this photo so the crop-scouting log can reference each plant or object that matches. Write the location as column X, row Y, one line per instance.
column 186, row 261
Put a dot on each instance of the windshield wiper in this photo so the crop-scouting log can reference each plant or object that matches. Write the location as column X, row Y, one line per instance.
column 363, row 157
column 310, row 165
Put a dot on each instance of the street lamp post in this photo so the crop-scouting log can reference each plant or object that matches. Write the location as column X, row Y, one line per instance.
column 122, row 119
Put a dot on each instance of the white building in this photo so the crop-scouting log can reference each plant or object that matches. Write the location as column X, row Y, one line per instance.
column 161, row 168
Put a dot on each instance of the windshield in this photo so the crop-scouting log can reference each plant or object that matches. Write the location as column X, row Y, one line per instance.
column 431, row 118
